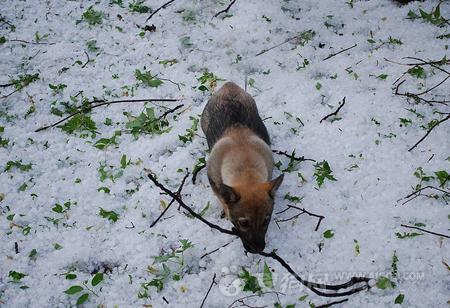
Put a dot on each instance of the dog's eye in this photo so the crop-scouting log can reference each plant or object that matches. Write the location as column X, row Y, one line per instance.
column 244, row 223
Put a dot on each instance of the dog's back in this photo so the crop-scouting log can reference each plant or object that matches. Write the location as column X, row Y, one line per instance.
column 230, row 107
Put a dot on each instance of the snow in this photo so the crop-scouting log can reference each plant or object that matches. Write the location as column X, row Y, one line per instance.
column 361, row 205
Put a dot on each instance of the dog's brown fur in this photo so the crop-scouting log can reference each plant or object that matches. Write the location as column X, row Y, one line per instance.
column 241, row 163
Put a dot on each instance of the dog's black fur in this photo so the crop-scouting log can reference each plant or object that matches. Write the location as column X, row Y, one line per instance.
column 231, row 107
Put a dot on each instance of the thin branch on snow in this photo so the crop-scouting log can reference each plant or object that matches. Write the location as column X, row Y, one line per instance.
column 171, row 202
column 339, row 52
column 99, row 103
column 226, row 9
column 217, row 249
column 292, row 156
column 418, row 97
column 209, row 290
column 87, row 61
column 362, row 282
column 335, row 112
column 196, row 171
column 332, row 303
column 417, row 193
column 242, row 299
column 278, row 45
column 302, row 211
column 28, row 42
column 428, row 132
column 426, row 231
column 158, row 9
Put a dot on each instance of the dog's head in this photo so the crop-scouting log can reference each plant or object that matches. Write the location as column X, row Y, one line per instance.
column 249, row 208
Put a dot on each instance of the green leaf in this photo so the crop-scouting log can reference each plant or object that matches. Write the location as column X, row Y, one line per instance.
column 267, row 276
column 71, row 276
column 97, row 279
column 79, row 122
column 32, row 254
column 147, row 79
column 318, row 86
column 16, row 276
column 83, row 298
column 57, row 208
column 328, row 234
column 384, row 283
column 2, row 40
column 407, row 235
column 322, row 172
column 442, row 177
column 110, row 215
column 73, row 290
column 250, row 282
column 104, row 189
column 302, row 298
column 19, row 165
column 92, row 17
column 417, row 71
column 157, row 283
column 399, row 299
column 382, row 76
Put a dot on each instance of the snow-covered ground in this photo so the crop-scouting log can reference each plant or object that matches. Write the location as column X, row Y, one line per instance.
column 81, row 209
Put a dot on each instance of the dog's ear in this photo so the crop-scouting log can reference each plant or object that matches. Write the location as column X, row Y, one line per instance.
column 229, row 195
column 274, row 185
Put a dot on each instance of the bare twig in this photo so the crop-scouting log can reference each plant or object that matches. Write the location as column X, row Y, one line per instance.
column 209, row 290
column 292, row 156
column 339, row 52
column 16, row 247
column 87, row 61
column 213, row 251
column 171, row 202
column 363, row 282
column 416, row 193
column 332, row 303
column 158, row 9
column 99, row 103
column 302, row 211
column 335, row 112
column 196, row 171
column 278, row 45
column 8, row 95
column 428, row 132
column 418, row 98
column 28, row 42
column 226, row 9
column 187, row 208
column 6, row 85
column 241, row 300
column 426, row 231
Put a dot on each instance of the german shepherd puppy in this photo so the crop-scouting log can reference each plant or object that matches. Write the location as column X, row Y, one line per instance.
column 240, row 164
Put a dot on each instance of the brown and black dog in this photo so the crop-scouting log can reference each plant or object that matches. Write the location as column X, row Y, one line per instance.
column 240, row 164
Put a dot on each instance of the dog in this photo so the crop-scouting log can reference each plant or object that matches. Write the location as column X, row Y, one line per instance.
column 240, row 164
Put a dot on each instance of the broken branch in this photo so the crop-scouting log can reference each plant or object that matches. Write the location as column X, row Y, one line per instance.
column 209, row 290
column 171, row 202
column 426, row 231
column 292, row 156
column 100, row 103
column 226, row 9
column 428, row 132
column 335, row 112
column 158, row 9
column 311, row 285
column 339, row 52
